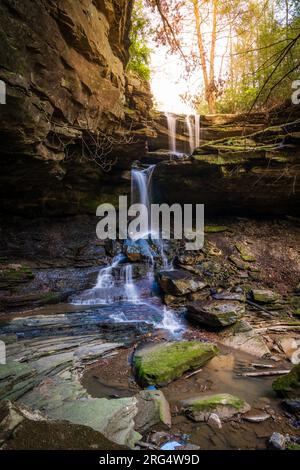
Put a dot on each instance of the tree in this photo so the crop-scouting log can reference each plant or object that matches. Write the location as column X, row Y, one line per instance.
column 139, row 50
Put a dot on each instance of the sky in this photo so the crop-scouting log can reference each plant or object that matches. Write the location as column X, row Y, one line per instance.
column 167, row 82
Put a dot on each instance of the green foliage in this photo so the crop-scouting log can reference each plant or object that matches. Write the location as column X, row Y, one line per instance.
column 139, row 50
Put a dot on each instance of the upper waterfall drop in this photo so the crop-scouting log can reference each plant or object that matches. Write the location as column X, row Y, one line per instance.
column 172, row 128
column 193, row 127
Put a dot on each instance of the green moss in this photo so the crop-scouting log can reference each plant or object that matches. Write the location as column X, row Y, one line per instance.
column 288, row 385
column 215, row 228
column 245, row 253
column 11, row 275
column 210, row 403
column 293, row 447
column 160, row 364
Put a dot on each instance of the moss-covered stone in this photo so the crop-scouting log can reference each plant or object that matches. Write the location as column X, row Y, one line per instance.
column 215, row 229
column 245, row 253
column 223, row 404
column 288, row 385
column 265, row 296
column 161, row 364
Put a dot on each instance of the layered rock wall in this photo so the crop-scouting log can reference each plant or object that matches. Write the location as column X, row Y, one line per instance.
column 69, row 102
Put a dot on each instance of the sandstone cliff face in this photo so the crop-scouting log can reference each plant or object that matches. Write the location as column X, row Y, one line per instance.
column 64, row 64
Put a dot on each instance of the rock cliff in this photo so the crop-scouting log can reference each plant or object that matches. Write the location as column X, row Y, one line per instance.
column 71, row 106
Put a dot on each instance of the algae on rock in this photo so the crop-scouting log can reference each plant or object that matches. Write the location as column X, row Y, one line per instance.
column 162, row 363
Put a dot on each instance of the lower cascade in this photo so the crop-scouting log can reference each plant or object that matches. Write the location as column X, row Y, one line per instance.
column 118, row 283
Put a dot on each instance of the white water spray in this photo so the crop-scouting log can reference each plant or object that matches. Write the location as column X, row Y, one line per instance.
column 172, row 123
column 193, row 127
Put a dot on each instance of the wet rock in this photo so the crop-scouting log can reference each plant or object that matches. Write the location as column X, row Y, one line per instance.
column 16, row 380
column 292, row 406
column 264, row 296
column 10, row 418
column 288, row 385
column 179, row 283
column 189, row 260
column 173, row 301
column 277, row 441
column 153, row 409
column 160, row 364
column 224, row 405
column 137, row 250
column 214, row 313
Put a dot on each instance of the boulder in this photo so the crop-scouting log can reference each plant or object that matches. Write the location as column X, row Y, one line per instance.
column 288, row 385
column 113, row 418
column 160, row 364
column 264, row 296
column 216, row 313
column 225, row 406
column 179, row 282
column 247, row 341
column 153, row 409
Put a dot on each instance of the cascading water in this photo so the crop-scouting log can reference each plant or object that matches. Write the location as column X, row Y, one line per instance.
column 172, row 123
column 130, row 289
column 197, row 130
column 194, row 131
column 191, row 133
column 116, row 291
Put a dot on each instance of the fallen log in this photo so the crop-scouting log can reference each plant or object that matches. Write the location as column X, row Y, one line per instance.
column 264, row 373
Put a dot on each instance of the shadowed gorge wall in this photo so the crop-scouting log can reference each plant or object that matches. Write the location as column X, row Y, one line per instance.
column 64, row 65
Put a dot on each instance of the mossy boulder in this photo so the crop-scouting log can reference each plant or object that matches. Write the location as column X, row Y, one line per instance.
column 160, row 364
column 288, row 385
column 265, row 296
column 216, row 313
column 224, row 405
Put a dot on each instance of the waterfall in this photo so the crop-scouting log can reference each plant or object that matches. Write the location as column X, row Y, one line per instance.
column 194, row 131
column 171, row 119
column 106, row 278
column 141, row 193
column 141, row 186
column 197, row 131
column 130, row 290
column 191, row 133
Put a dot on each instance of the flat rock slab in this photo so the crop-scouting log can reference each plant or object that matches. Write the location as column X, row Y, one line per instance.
column 179, row 282
column 216, row 313
column 15, row 380
column 113, row 418
column 225, row 406
column 160, row 364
